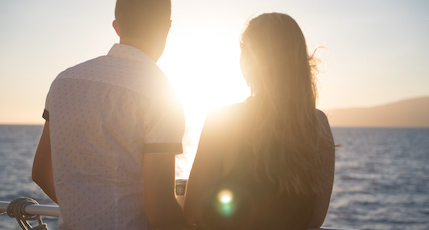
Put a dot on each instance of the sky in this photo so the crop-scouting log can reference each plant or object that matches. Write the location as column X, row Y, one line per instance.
column 375, row 52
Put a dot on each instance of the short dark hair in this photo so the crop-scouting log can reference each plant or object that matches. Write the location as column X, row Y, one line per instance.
column 142, row 18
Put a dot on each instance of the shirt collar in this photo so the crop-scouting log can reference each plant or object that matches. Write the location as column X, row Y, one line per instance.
column 134, row 54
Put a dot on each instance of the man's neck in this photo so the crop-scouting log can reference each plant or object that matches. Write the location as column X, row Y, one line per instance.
column 149, row 49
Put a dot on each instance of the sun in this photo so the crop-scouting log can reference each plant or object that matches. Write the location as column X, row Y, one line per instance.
column 203, row 67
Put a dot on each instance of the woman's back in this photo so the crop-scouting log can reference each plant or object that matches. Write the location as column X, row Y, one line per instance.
column 241, row 201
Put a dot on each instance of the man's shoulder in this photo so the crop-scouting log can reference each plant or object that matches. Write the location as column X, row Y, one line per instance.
column 87, row 65
column 119, row 72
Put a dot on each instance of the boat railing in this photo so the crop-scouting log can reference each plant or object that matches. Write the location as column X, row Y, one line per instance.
column 54, row 211
column 35, row 209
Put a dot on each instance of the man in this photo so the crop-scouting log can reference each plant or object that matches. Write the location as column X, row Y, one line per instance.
column 113, row 127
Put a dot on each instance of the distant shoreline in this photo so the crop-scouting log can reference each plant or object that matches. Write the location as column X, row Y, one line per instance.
column 408, row 113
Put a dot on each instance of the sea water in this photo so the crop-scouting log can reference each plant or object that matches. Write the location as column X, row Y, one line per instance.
column 381, row 178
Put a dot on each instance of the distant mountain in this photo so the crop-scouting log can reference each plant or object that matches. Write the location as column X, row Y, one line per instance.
column 406, row 113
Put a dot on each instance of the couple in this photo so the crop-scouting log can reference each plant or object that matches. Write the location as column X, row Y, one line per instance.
column 113, row 127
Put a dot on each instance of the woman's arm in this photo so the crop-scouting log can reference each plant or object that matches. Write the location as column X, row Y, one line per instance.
column 206, row 170
column 328, row 161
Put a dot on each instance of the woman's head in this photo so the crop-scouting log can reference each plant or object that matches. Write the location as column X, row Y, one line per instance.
column 274, row 58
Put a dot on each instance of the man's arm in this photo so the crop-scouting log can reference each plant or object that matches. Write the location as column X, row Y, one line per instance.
column 160, row 204
column 42, row 165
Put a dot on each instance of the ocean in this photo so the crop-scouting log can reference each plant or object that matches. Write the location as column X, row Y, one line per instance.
column 381, row 176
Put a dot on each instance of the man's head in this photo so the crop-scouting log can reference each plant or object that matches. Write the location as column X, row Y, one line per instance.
column 145, row 20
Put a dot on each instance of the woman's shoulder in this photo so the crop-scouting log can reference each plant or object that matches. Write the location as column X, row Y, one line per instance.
column 225, row 125
column 323, row 120
column 325, row 129
column 321, row 116
column 233, row 108
column 227, row 114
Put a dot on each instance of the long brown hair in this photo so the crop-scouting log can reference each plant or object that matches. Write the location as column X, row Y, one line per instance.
column 285, row 134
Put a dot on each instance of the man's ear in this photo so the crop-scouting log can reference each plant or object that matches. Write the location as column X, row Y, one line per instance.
column 166, row 29
column 115, row 26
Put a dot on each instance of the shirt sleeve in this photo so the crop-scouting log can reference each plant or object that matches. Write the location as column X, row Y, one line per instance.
column 165, row 127
column 45, row 114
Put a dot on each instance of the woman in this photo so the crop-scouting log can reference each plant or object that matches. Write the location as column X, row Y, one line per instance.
column 266, row 163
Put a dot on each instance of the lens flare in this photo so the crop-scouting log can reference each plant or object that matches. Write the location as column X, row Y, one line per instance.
column 225, row 199
column 226, row 205
column 225, row 196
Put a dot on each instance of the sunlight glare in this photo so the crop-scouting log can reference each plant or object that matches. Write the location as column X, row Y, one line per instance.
column 204, row 68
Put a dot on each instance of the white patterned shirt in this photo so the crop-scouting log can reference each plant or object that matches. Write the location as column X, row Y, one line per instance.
column 104, row 114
